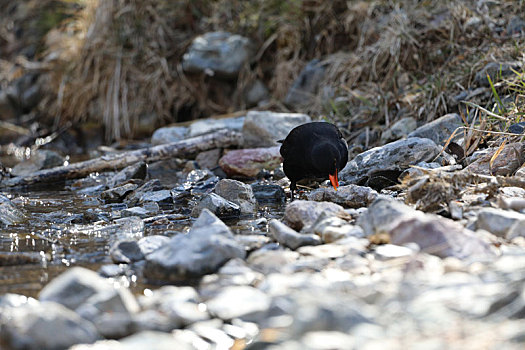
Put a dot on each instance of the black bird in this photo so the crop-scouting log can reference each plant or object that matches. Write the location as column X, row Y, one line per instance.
column 314, row 151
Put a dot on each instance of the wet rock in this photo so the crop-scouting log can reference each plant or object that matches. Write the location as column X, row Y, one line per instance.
column 265, row 193
column 9, row 213
column 439, row 130
column 119, row 193
column 73, row 287
column 41, row 159
column 125, row 252
column 305, row 86
column 332, row 228
column 45, row 325
column 135, row 171
column 162, row 197
column 168, row 134
column 209, row 159
column 255, row 93
column 349, row 196
column 129, row 228
column 249, row 162
column 301, row 214
column 496, row 71
column 165, row 172
column 502, row 223
column 218, row 53
column 244, row 302
column 111, row 312
column 137, row 195
column 205, row 248
column 135, row 211
column 399, row 129
column 505, row 164
column 205, row 126
column 265, row 128
column 219, row 206
column 238, row 193
column 397, row 155
column 291, row 238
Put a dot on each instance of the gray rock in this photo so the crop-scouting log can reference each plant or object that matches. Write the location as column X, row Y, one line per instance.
column 289, row 237
column 383, row 215
column 496, row 71
column 249, row 162
column 332, row 228
column 242, row 302
column 209, row 159
column 391, row 251
column 142, row 340
column 144, row 190
column 9, row 213
column 218, row 53
column 516, row 26
column 305, row 86
column 238, row 193
column 162, row 197
column 506, row 163
column 135, row 211
column 268, row 261
column 45, row 325
column 397, row 155
column 40, row 159
column 119, row 193
column 301, row 214
column 219, row 206
column 126, row 252
column 253, row 242
column 265, row 128
column 212, row 332
column 255, row 93
column 130, row 228
column 135, row 171
column 441, row 237
column 439, row 130
column 502, row 223
column 73, row 287
column 205, row 126
column 399, row 129
column 349, row 196
column 204, row 249
column 168, row 134
column 111, row 312
column 234, row 273
column 266, row 193
column 149, row 244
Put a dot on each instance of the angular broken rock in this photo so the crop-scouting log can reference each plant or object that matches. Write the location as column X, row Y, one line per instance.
column 439, row 130
column 502, row 223
column 264, row 129
column 397, row 155
column 219, row 206
column 291, row 238
column 506, row 163
column 204, row 249
column 441, row 237
column 9, row 213
column 238, row 193
column 349, row 196
column 249, row 162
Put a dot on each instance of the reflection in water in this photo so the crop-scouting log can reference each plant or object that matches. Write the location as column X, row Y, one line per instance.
column 66, row 228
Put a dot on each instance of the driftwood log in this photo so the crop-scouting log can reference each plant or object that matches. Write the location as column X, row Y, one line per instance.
column 181, row 149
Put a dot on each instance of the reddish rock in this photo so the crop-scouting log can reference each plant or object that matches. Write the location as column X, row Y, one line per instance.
column 248, row 162
column 507, row 162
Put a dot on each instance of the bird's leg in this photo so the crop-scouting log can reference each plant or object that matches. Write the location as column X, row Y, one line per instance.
column 293, row 187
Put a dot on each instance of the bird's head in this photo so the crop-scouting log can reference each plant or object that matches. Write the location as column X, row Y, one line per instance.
column 326, row 159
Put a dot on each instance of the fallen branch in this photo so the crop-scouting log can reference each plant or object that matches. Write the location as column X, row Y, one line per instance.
column 181, row 149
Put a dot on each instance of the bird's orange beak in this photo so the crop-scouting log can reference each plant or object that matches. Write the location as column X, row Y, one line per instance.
column 334, row 180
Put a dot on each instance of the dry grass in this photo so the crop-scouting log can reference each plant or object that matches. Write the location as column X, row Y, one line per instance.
column 118, row 62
